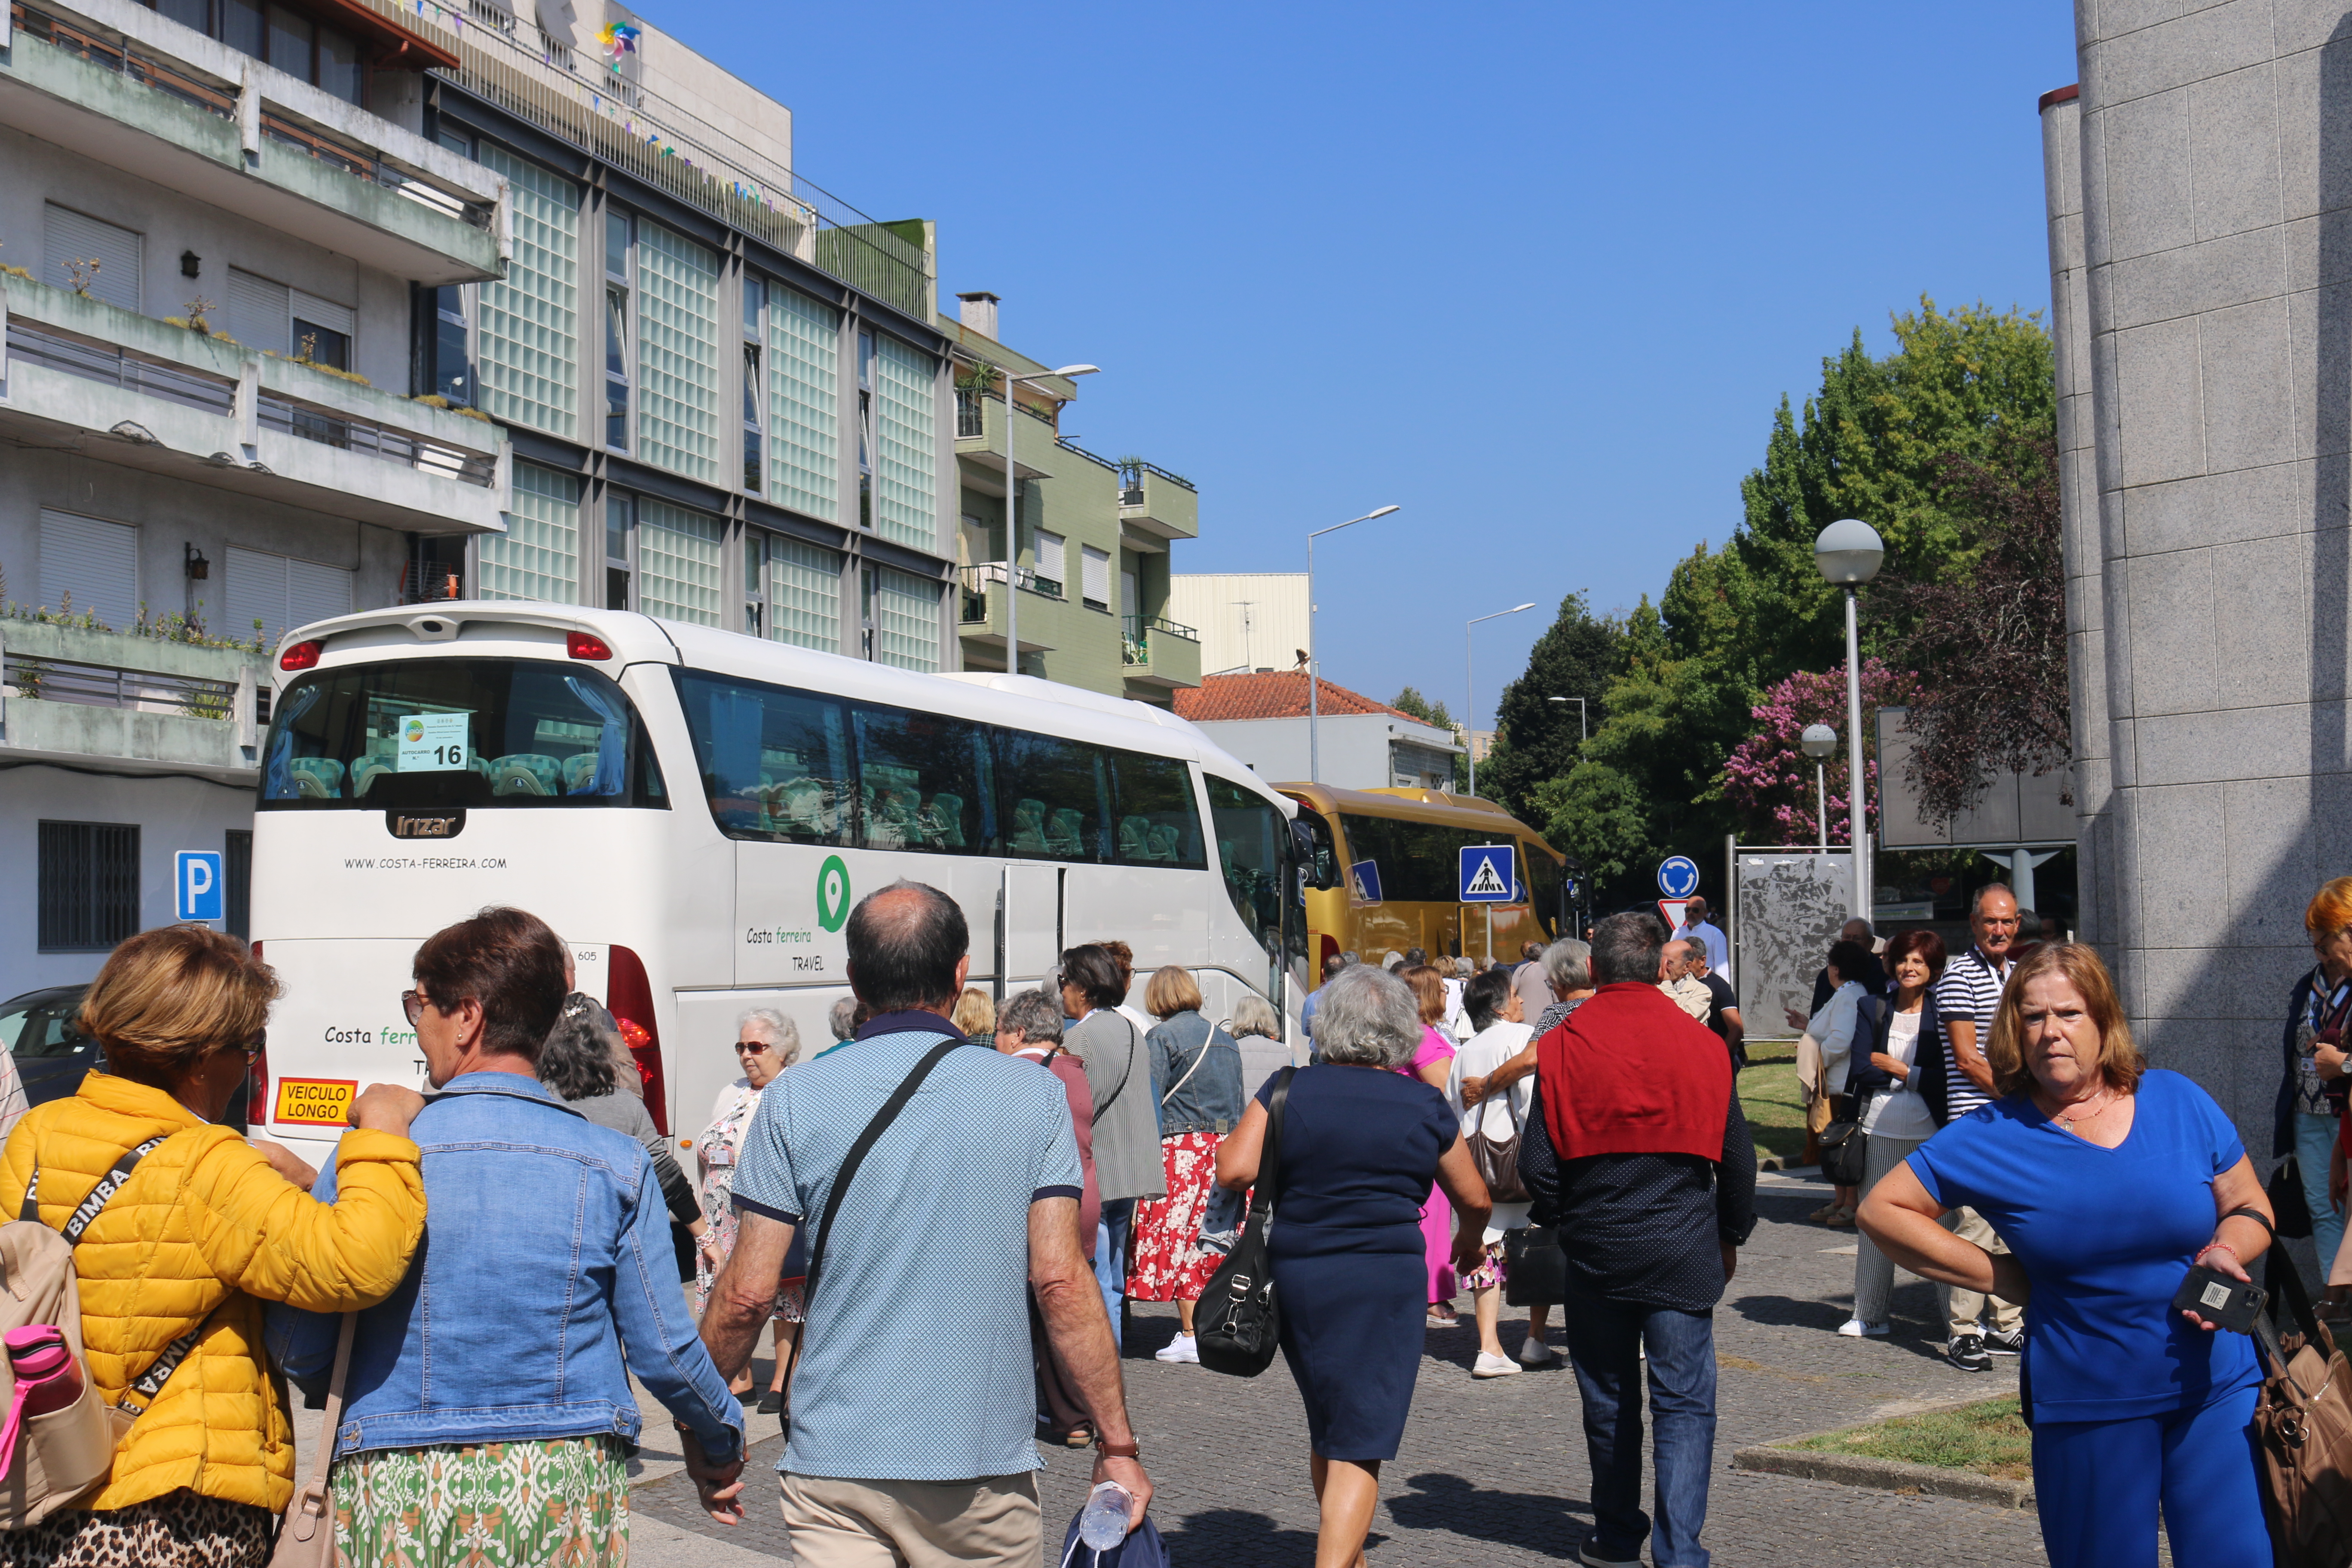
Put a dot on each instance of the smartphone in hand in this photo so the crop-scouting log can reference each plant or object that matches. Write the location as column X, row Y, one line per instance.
column 2220, row 1300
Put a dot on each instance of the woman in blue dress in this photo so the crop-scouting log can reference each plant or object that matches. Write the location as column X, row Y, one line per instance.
column 2108, row 1180
column 1361, row 1143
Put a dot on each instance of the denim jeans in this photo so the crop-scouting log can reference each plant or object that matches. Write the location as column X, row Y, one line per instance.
column 2315, row 1140
column 1110, row 1257
column 1605, row 1339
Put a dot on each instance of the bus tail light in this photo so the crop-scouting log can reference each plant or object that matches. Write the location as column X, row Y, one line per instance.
column 301, row 656
column 631, row 998
column 586, row 644
column 1329, row 950
column 257, row 1090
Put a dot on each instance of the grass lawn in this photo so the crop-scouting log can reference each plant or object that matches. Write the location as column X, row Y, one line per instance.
column 1769, row 1098
column 1989, row 1438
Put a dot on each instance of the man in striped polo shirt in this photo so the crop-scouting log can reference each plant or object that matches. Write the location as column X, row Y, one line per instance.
column 1966, row 999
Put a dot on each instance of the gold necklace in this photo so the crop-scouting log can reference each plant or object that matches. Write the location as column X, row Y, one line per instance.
column 2098, row 1102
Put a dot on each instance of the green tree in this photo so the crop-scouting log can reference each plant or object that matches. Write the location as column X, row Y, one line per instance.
column 1537, row 739
column 1410, row 701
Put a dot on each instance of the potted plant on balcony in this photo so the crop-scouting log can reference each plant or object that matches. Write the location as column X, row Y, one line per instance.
column 1131, row 480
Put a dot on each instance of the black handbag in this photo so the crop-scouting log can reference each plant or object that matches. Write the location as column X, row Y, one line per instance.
column 1844, row 1146
column 1535, row 1270
column 1497, row 1158
column 2287, row 1204
column 1236, row 1326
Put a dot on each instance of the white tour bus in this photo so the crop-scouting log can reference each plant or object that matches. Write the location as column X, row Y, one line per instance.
column 695, row 813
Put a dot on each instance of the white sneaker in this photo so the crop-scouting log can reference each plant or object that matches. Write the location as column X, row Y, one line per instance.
column 1180, row 1348
column 1855, row 1328
column 1494, row 1367
column 1535, row 1352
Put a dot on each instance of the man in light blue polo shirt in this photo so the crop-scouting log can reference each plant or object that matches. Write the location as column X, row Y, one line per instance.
column 908, row 1445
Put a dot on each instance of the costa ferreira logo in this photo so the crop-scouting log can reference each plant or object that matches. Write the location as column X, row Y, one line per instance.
column 833, row 893
column 425, row 824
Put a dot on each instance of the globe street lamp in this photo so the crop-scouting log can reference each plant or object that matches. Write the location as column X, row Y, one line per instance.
column 1469, row 690
column 1848, row 553
column 1313, row 709
column 1820, row 742
column 1012, row 511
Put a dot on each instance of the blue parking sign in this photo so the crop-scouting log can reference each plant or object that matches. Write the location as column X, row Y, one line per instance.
column 197, row 894
column 1488, row 873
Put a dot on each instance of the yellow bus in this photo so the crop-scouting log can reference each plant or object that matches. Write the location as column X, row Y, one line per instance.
column 1409, row 837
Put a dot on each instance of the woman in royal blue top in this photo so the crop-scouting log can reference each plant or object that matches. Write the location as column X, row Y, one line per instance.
column 2108, row 1181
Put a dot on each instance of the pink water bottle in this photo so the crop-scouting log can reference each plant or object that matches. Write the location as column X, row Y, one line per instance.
column 48, row 1378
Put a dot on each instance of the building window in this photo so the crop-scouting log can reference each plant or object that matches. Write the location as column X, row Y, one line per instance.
column 804, row 594
column 89, row 877
column 866, row 429
column 804, row 359
column 325, row 57
column 906, row 425
column 270, row 316
column 90, row 564
column 754, row 386
column 538, row 557
column 269, row 595
column 617, row 360
column 528, row 323
column 678, row 562
column 620, row 539
column 902, row 619
column 971, row 413
column 1095, row 585
column 676, row 298
column 237, row 879
column 106, row 257
column 1052, row 563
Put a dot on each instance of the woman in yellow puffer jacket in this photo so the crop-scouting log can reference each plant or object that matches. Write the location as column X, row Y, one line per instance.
column 207, row 1228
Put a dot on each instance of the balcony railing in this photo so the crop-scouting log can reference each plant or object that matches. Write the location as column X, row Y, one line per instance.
column 404, row 448
column 975, row 580
column 971, row 415
column 111, row 686
column 1135, row 635
column 120, row 367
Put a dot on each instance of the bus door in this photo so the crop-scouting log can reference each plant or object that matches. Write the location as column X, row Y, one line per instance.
column 1028, row 926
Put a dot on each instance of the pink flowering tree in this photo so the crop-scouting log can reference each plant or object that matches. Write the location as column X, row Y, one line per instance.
column 1769, row 780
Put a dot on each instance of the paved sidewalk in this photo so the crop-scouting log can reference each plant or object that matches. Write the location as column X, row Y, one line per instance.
column 1493, row 1473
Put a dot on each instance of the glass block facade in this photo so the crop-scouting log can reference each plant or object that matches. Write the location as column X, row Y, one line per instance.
column 677, row 353
column 678, row 562
column 906, row 426
column 906, row 620
column 805, row 360
column 804, row 594
column 528, row 354
column 538, row 557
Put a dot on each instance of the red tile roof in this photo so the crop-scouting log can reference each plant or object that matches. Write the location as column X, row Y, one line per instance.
column 1281, row 695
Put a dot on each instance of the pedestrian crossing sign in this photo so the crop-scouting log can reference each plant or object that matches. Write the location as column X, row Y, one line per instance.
column 1488, row 873
column 1364, row 883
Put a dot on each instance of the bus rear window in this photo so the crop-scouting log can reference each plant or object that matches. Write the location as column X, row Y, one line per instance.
column 442, row 733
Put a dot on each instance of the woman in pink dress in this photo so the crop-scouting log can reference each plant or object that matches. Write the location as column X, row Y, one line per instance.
column 1433, row 1065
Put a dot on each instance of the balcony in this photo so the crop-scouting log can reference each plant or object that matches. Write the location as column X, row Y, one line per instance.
column 1155, row 502
column 983, row 455
column 1159, row 652
column 122, row 703
column 133, row 390
column 131, row 89
column 980, row 600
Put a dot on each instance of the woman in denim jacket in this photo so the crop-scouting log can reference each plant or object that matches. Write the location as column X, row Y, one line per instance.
column 490, row 1391
column 1196, row 1081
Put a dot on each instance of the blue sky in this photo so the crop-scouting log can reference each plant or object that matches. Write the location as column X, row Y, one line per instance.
column 1537, row 274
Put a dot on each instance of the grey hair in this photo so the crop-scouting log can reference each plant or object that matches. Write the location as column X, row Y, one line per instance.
column 782, row 1034
column 1625, row 947
column 1567, row 965
column 1254, row 1014
column 1368, row 1017
column 842, row 1018
column 1976, row 900
column 1034, row 1016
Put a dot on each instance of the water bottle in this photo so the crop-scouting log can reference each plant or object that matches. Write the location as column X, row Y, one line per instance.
column 1103, row 1525
column 44, row 1367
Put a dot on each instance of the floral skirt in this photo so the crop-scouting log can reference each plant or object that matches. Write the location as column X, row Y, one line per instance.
column 178, row 1530
column 718, row 1213
column 1490, row 1271
column 1168, row 1263
column 502, row 1505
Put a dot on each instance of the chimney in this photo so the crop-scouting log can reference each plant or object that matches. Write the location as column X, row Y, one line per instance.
column 978, row 311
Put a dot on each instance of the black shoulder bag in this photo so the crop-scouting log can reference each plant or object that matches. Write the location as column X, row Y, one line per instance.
column 1236, row 1324
column 1843, row 1144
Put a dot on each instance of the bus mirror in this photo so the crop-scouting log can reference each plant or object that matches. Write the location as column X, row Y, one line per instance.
column 1316, row 868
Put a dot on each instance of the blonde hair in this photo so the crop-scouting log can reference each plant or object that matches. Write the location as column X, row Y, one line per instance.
column 2330, row 909
column 1428, row 989
column 1172, row 990
column 170, row 997
column 975, row 1012
column 2079, row 966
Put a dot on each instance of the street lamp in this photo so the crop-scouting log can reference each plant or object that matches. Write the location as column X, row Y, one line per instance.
column 1820, row 742
column 1314, row 709
column 1582, row 735
column 1012, row 513
column 1469, row 690
column 1848, row 553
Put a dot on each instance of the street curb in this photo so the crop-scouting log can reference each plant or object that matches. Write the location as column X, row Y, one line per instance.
column 1884, row 1475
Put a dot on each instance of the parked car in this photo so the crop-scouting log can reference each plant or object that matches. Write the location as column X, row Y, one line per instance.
column 42, row 1030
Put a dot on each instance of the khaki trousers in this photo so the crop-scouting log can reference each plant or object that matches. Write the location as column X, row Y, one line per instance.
column 836, row 1523
column 1964, row 1309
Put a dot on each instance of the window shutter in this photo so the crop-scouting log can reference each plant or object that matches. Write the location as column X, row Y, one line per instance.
column 324, row 314
column 1098, row 579
column 71, row 236
column 96, row 561
column 255, row 591
column 315, row 592
column 260, row 313
column 1053, row 557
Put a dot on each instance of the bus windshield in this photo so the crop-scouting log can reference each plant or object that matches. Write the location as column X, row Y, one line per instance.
column 442, row 733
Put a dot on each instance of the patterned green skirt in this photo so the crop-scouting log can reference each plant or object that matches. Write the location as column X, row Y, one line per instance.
column 559, row 1502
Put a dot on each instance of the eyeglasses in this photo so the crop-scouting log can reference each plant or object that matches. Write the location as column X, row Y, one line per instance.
column 412, row 1003
column 252, row 1049
column 757, row 1047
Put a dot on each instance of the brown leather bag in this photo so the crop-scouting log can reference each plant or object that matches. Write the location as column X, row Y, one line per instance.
column 2303, row 1430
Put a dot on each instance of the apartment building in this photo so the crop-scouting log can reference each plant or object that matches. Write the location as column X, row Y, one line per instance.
column 326, row 305
column 1249, row 621
column 1093, row 535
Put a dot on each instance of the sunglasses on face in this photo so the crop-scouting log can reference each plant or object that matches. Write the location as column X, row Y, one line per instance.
column 754, row 1047
column 412, row 1003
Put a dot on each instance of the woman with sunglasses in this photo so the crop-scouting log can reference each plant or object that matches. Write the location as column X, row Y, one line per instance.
column 766, row 1043
column 207, row 1226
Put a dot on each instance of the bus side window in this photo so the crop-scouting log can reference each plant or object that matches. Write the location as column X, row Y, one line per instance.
column 1249, row 845
column 921, row 784
column 1050, row 797
column 775, row 762
column 1159, row 825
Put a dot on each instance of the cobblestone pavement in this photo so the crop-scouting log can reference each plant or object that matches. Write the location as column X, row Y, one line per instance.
column 1494, row 1472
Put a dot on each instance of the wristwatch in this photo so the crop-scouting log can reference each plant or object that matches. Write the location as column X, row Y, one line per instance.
column 1130, row 1449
